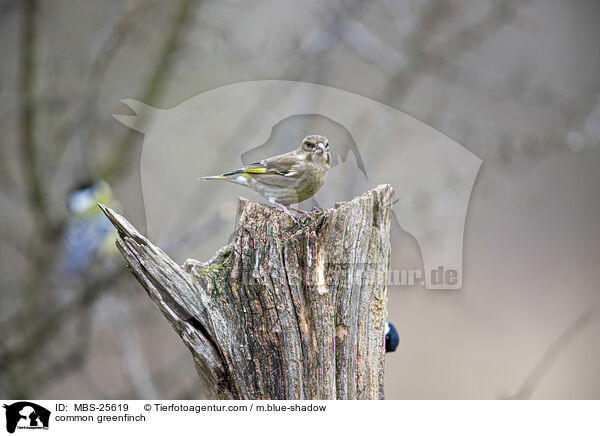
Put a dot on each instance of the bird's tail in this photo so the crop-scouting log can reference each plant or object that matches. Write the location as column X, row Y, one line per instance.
column 213, row 178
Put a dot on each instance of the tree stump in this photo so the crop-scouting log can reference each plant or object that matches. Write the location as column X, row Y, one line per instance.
column 285, row 311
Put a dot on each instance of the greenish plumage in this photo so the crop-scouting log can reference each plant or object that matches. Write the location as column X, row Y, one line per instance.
column 288, row 178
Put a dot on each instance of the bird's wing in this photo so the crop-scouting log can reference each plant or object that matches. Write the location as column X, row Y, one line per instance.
column 278, row 171
column 284, row 165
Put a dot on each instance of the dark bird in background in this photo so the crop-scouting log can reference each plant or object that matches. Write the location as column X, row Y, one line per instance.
column 392, row 339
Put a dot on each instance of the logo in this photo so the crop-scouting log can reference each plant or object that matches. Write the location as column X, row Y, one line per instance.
column 432, row 175
column 26, row 415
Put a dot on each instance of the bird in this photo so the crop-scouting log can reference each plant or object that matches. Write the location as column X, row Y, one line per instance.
column 392, row 339
column 288, row 178
column 88, row 232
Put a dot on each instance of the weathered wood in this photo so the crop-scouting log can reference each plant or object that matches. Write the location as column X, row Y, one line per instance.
column 284, row 311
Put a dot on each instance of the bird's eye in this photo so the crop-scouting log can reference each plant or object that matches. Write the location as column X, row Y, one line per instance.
column 309, row 144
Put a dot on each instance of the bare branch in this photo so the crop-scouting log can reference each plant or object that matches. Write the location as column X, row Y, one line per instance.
column 165, row 63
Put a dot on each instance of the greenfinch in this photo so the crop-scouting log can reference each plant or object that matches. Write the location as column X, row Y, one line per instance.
column 288, row 178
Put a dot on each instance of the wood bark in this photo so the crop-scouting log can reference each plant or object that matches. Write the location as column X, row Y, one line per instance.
column 286, row 310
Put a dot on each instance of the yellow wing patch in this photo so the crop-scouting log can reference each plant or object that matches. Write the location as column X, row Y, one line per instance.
column 255, row 170
column 263, row 170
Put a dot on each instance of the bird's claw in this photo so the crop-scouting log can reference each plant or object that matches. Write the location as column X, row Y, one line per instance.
column 312, row 213
column 291, row 215
column 315, row 212
column 287, row 212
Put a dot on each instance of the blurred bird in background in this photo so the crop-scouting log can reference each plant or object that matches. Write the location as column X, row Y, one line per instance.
column 89, row 234
column 392, row 339
column 288, row 178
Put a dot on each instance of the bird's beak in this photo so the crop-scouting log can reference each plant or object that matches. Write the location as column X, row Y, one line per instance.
column 320, row 148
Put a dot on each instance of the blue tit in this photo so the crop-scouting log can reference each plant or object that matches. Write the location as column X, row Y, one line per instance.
column 88, row 233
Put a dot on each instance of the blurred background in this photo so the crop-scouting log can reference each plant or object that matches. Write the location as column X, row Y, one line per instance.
column 515, row 82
